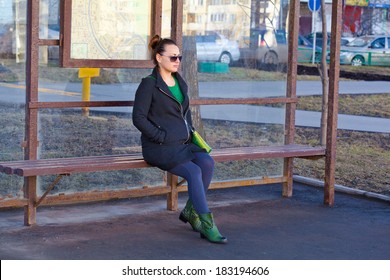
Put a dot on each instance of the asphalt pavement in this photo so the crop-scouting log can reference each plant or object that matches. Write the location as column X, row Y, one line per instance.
column 259, row 223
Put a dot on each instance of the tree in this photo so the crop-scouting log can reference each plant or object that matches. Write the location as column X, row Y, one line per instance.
column 190, row 74
column 323, row 70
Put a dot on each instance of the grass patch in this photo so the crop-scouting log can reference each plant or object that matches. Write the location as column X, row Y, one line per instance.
column 362, row 159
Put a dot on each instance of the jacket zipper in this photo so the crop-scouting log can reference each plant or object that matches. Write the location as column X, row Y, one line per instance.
column 181, row 113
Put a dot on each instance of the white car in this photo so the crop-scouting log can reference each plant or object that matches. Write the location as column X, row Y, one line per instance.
column 215, row 47
column 366, row 50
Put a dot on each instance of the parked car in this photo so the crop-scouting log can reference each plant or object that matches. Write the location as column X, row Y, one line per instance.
column 215, row 47
column 319, row 38
column 271, row 57
column 344, row 40
column 366, row 50
column 305, row 51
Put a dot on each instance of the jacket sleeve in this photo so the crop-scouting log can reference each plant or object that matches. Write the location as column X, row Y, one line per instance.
column 142, row 104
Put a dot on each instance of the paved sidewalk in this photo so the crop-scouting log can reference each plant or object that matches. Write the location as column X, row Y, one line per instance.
column 59, row 92
column 258, row 222
column 263, row 114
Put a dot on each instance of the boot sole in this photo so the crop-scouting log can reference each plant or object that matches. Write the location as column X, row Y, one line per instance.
column 222, row 241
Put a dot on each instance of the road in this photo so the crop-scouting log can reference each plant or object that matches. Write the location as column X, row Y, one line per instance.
column 51, row 92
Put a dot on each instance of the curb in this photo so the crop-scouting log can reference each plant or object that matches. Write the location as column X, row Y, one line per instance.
column 340, row 188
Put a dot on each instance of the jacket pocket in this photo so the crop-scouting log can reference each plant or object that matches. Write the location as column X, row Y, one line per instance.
column 178, row 134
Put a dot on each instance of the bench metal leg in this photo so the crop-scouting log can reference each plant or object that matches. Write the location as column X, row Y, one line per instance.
column 173, row 195
column 30, row 193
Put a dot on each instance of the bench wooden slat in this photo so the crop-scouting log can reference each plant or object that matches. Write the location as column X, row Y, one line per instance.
column 69, row 159
column 78, row 168
column 8, row 167
column 283, row 151
column 127, row 161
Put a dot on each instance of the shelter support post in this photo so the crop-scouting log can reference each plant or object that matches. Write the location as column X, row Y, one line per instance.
column 334, row 72
column 293, row 29
column 30, row 194
column 31, row 115
column 177, row 22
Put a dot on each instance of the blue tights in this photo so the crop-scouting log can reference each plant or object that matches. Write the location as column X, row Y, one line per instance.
column 198, row 174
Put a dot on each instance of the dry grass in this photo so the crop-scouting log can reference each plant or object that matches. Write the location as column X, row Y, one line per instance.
column 362, row 159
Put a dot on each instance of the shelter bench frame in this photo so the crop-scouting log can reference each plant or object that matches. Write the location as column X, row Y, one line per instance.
column 31, row 169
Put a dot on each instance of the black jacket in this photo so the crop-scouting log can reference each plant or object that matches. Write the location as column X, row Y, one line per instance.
column 165, row 124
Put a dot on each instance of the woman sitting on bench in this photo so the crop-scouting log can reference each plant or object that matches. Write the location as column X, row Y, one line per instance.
column 161, row 112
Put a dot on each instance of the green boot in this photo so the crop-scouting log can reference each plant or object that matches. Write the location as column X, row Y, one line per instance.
column 189, row 215
column 209, row 230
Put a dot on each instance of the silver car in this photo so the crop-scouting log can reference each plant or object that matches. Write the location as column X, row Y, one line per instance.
column 215, row 47
column 367, row 50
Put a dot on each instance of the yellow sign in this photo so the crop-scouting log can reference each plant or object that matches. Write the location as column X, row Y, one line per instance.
column 89, row 72
column 362, row 3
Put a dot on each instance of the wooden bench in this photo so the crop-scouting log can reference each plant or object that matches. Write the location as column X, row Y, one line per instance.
column 67, row 166
column 72, row 165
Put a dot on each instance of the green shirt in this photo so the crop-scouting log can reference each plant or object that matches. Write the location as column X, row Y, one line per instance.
column 176, row 91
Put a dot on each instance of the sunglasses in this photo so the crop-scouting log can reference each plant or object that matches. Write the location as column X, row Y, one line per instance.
column 174, row 58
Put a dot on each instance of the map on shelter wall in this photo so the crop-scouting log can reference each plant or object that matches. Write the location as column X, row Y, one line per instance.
column 104, row 29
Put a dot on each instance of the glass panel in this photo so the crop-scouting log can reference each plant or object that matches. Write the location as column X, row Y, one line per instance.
column 49, row 19
column 247, row 125
column 110, row 29
column 67, row 133
column 241, row 50
column 104, row 181
column 244, row 126
column 245, row 39
column 166, row 19
column 63, row 84
column 11, row 136
column 12, row 92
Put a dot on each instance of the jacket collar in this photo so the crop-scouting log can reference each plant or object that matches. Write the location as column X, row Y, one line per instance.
column 161, row 84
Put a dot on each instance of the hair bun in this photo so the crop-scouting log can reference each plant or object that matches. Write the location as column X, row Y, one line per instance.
column 153, row 43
